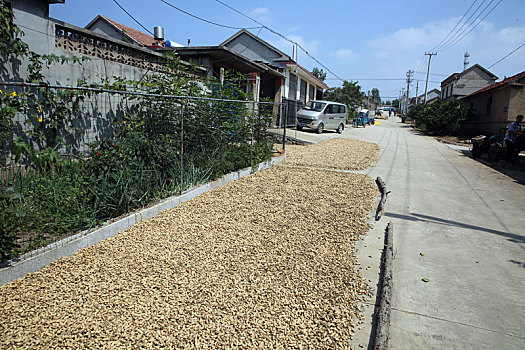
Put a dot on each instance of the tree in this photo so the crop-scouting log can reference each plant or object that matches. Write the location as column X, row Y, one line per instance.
column 350, row 94
column 375, row 95
column 440, row 118
column 395, row 103
column 319, row 73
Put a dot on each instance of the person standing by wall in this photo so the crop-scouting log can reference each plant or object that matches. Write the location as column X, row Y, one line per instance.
column 510, row 138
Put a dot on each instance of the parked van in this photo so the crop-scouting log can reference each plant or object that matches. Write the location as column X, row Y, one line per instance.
column 321, row 115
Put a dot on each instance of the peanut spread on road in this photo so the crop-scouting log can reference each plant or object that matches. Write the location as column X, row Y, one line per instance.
column 336, row 153
column 263, row 262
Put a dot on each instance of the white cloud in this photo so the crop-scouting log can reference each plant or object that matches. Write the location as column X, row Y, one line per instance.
column 261, row 14
column 346, row 54
column 404, row 49
column 312, row 47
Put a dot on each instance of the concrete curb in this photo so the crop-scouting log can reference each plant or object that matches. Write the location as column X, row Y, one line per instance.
column 383, row 313
column 36, row 260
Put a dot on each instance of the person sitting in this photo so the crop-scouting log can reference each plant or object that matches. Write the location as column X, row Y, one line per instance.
column 510, row 138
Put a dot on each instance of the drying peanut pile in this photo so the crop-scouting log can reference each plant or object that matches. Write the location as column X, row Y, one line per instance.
column 336, row 153
column 263, row 262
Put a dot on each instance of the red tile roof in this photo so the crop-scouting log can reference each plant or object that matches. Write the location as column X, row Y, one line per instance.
column 500, row 83
column 142, row 38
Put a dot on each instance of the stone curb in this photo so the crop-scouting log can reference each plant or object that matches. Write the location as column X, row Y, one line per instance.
column 36, row 260
column 383, row 312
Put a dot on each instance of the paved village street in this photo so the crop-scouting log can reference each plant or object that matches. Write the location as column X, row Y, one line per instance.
column 459, row 224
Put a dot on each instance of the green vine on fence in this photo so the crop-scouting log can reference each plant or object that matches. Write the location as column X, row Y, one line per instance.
column 44, row 195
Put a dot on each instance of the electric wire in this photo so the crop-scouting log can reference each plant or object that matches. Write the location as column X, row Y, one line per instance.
column 461, row 19
column 510, row 53
column 133, row 18
column 466, row 23
column 471, row 29
column 281, row 36
column 202, row 19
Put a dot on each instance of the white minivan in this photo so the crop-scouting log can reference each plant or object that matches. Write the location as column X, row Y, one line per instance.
column 321, row 115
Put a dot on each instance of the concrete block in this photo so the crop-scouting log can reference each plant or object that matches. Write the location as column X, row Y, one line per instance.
column 244, row 172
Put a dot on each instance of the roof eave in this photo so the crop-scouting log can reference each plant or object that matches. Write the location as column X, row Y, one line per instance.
column 113, row 26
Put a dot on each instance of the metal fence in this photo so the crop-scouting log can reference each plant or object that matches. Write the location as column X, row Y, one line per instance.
column 85, row 130
column 82, row 115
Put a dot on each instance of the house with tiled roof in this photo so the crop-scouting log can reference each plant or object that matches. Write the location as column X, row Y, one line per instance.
column 462, row 84
column 298, row 84
column 103, row 25
column 495, row 106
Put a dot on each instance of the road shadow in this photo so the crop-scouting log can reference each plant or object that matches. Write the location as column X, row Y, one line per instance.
column 514, row 171
column 518, row 263
column 512, row 237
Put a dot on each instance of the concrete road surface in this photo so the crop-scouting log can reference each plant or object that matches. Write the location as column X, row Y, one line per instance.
column 457, row 223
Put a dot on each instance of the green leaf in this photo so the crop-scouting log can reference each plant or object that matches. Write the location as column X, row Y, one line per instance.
column 425, row 279
column 421, row 254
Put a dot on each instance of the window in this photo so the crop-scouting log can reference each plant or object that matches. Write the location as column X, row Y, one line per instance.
column 451, row 88
column 446, row 92
column 315, row 106
column 292, row 92
column 331, row 109
column 489, row 105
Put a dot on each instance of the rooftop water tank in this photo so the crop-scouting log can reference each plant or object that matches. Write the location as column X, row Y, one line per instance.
column 158, row 33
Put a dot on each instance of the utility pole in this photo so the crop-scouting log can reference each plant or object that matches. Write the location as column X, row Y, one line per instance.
column 429, row 54
column 417, row 88
column 402, row 101
column 409, row 81
column 368, row 99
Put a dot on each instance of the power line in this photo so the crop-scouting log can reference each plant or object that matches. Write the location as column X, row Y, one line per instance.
column 440, row 75
column 471, row 29
column 202, row 19
column 510, row 53
column 467, row 23
column 450, row 38
column 357, row 79
column 282, row 36
column 435, row 47
column 384, row 79
column 133, row 18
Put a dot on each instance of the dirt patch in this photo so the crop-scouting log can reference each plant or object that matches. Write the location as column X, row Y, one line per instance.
column 263, row 262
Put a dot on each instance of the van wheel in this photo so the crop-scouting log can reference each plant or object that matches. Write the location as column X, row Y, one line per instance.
column 340, row 128
column 320, row 128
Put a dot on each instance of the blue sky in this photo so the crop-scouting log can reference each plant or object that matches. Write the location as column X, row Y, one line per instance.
column 356, row 40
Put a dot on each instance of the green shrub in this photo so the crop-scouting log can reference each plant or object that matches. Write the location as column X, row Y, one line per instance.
column 440, row 118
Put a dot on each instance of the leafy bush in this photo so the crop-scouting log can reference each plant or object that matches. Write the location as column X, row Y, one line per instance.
column 440, row 118
column 43, row 196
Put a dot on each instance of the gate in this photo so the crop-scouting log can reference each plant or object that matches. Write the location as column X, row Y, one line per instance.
column 290, row 112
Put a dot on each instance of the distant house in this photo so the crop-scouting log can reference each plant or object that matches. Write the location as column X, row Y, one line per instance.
column 433, row 96
column 115, row 30
column 495, row 106
column 297, row 83
column 369, row 103
column 467, row 82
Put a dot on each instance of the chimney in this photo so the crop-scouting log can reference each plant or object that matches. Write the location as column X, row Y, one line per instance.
column 188, row 42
